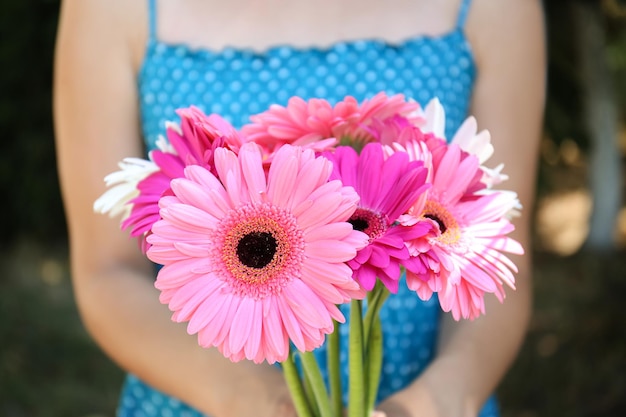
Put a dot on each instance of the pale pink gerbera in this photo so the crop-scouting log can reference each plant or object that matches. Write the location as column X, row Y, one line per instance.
column 466, row 253
column 318, row 124
column 397, row 134
column 122, row 187
column 467, row 136
column 192, row 143
column 387, row 187
column 254, row 261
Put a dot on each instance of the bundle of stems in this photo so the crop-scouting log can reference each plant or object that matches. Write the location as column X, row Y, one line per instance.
column 312, row 396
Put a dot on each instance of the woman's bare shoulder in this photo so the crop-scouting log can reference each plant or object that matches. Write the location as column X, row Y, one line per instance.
column 499, row 13
column 504, row 24
column 112, row 24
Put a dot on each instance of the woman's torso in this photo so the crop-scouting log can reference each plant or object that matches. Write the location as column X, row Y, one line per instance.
column 238, row 82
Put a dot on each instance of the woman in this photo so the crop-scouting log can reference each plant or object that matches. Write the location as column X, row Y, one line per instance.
column 122, row 67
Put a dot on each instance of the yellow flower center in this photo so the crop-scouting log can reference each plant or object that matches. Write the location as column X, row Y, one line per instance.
column 448, row 226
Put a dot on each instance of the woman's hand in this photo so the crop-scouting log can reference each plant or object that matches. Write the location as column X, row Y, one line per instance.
column 254, row 390
column 417, row 403
column 391, row 409
column 424, row 399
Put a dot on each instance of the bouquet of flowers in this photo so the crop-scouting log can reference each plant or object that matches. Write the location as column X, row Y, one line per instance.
column 264, row 231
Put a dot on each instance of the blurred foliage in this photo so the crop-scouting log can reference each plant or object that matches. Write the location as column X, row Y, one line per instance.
column 564, row 97
column 564, row 106
column 616, row 55
column 572, row 362
column 49, row 366
column 28, row 178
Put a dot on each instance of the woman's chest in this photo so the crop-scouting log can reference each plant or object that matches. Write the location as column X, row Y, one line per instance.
column 261, row 24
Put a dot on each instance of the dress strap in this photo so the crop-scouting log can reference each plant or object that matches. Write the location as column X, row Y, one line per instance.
column 152, row 20
column 463, row 12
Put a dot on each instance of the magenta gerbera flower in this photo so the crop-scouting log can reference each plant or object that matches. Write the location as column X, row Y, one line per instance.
column 192, row 143
column 200, row 134
column 466, row 253
column 253, row 260
column 388, row 188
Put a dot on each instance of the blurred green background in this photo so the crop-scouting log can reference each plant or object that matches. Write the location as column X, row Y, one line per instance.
column 573, row 362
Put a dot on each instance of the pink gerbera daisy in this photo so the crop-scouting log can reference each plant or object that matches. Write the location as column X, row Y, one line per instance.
column 253, row 260
column 299, row 123
column 193, row 143
column 387, row 187
column 466, row 252
column 356, row 130
column 200, row 134
column 318, row 124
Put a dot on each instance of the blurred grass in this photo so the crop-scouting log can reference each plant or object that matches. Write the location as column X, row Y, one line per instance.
column 49, row 367
column 572, row 364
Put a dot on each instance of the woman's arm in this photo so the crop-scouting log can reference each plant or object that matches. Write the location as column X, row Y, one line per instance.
column 97, row 124
column 508, row 100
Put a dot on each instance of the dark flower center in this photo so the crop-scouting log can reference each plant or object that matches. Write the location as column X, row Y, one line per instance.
column 256, row 249
column 442, row 226
column 358, row 224
column 372, row 224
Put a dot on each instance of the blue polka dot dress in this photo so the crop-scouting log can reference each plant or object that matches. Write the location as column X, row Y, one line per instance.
column 236, row 83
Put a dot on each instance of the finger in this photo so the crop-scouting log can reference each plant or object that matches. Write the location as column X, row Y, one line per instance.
column 392, row 409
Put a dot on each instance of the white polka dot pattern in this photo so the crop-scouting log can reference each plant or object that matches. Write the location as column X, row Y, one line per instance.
column 238, row 83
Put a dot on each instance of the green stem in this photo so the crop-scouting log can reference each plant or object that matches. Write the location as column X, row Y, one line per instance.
column 356, row 390
column 314, row 377
column 294, row 383
column 374, row 363
column 373, row 342
column 375, row 300
column 334, row 372
column 308, row 391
